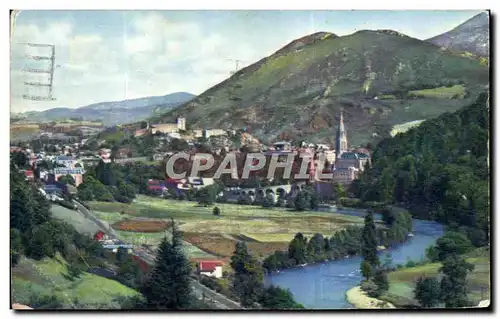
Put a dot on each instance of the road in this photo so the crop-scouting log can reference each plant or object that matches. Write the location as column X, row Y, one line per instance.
column 201, row 292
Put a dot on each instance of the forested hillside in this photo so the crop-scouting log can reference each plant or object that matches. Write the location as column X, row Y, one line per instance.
column 439, row 170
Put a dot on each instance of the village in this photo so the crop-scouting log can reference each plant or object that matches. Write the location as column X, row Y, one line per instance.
column 55, row 162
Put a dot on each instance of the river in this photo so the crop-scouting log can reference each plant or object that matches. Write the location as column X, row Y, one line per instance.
column 323, row 285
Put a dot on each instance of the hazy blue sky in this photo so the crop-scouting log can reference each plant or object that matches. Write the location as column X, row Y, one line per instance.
column 116, row 55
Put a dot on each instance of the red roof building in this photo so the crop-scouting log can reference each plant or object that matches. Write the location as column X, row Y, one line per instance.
column 211, row 268
column 99, row 235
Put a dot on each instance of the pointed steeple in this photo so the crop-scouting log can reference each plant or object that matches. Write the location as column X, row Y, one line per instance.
column 341, row 138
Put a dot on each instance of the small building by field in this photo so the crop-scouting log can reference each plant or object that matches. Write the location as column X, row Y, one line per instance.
column 210, row 268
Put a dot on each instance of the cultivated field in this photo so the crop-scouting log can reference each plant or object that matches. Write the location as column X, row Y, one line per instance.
column 264, row 229
column 37, row 279
column 141, row 226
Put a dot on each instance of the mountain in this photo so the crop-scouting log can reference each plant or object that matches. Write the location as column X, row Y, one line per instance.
column 113, row 113
column 472, row 36
column 174, row 98
column 379, row 78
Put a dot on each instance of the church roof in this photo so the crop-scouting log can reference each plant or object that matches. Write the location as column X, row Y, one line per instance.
column 349, row 155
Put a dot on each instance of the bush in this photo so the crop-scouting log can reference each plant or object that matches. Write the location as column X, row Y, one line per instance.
column 67, row 204
column 216, row 211
column 370, row 288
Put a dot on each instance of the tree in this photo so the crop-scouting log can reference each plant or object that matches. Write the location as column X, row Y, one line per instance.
column 84, row 193
column 40, row 243
column 20, row 159
column 369, row 242
column 380, row 279
column 340, row 190
column 297, row 249
column 427, row 292
column 16, row 246
column 216, row 211
column 366, row 269
column 450, row 243
column 247, row 275
column 316, row 246
column 169, row 286
column 121, row 255
column 268, row 201
column 67, row 180
column 278, row 298
column 454, row 282
column 301, row 203
column 206, row 196
column 28, row 208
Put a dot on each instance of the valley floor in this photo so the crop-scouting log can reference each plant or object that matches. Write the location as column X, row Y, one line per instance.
column 263, row 229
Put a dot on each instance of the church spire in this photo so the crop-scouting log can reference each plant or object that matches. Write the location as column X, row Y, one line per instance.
column 341, row 138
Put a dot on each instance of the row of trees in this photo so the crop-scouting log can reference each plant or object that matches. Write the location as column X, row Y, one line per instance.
column 110, row 181
column 439, row 170
column 343, row 243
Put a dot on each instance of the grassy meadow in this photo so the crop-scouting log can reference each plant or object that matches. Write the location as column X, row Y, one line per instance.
column 37, row 279
column 456, row 91
column 403, row 281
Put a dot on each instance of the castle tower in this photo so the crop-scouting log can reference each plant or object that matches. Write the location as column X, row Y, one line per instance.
column 181, row 123
column 341, row 138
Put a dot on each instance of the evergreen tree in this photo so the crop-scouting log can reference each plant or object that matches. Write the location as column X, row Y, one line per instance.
column 454, row 282
column 380, row 279
column 369, row 242
column 248, row 275
column 169, row 285
column 427, row 292
column 366, row 269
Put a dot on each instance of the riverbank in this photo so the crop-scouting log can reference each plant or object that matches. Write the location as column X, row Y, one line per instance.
column 360, row 300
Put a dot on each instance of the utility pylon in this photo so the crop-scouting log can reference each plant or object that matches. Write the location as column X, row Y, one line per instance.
column 237, row 63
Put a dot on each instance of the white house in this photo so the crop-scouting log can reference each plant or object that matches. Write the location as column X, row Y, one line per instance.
column 210, row 268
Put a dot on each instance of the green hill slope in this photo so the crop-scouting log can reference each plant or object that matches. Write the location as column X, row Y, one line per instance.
column 299, row 90
column 34, row 282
